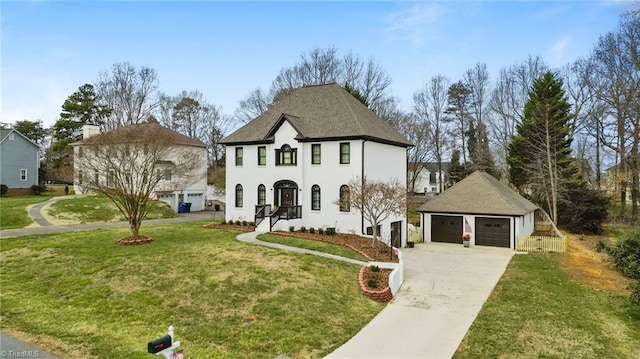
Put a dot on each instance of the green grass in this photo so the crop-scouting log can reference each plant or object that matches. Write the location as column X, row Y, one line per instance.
column 538, row 311
column 98, row 208
column 313, row 245
column 13, row 210
column 84, row 296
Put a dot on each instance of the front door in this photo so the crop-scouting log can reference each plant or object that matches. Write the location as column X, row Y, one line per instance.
column 287, row 199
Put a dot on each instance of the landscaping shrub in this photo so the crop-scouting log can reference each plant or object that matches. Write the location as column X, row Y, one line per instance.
column 231, row 221
column 244, row 223
column 601, row 245
column 635, row 292
column 312, row 230
column 303, row 229
column 38, row 190
column 626, row 255
column 372, row 283
column 238, row 222
column 584, row 211
column 252, row 224
column 375, row 269
column 291, row 229
column 320, row 231
column 3, row 189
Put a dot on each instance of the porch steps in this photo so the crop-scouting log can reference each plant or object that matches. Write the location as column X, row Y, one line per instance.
column 263, row 226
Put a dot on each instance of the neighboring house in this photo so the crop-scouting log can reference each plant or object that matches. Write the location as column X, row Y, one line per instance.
column 293, row 163
column 480, row 205
column 428, row 181
column 19, row 161
column 172, row 189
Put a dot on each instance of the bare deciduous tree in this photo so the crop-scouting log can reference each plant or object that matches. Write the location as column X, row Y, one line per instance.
column 131, row 164
column 376, row 201
column 130, row 94
column 430, row 104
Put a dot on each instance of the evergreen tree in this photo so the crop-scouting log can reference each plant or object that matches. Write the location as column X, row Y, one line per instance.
column 539, row 155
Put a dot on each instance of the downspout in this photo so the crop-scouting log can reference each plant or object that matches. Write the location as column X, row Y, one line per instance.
column 361, row 190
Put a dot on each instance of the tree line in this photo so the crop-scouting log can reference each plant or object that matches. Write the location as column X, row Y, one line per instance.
column 472, row 123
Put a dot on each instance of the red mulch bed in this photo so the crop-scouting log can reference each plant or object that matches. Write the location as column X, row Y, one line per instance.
column 132, row 241
column 381, row 252
column 376, row 280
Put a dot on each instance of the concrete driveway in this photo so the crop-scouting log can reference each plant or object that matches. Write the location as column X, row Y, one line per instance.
column 445, row 286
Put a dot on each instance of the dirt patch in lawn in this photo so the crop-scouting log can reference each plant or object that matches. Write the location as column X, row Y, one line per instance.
column 590, row 267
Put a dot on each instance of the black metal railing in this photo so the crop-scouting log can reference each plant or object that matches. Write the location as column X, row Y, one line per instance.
column 284, row 212
column 262, row 210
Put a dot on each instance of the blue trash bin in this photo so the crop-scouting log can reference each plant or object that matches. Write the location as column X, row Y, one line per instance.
column 182, row 207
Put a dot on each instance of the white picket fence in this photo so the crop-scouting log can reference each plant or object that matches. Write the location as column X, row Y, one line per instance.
column 542, row 244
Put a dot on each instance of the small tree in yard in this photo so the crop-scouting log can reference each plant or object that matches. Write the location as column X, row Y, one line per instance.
column 376, row 201
column 131, row 163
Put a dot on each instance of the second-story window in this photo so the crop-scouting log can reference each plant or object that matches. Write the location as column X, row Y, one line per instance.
column 262, row 155
column 345, row 153
column 286, row 156
column 239, row 153
column 315, row 154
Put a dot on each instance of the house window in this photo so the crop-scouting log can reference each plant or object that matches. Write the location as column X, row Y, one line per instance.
column 345, row 153
column 239, row 152
column 370, row 230
column 345, row 205
column 238, row 195
column 262, row 195
column 79, row 177
column 23, row 174
column 262, row 156
column 315, row 154
column 315, row 197
column 286, row 156
column 167, row 175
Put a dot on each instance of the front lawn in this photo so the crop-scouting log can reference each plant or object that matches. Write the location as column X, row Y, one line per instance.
column 98, row 208
column 313, row 245
column 543, row 308
column 13, row 210
column 82, row 296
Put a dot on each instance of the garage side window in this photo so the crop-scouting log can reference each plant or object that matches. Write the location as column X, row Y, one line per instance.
column 239, row 195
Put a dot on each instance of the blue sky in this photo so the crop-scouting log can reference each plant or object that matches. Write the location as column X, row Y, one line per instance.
column 226, row 49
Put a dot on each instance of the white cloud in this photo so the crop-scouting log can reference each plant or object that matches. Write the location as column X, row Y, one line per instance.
column 415, row 22
column 557, row 54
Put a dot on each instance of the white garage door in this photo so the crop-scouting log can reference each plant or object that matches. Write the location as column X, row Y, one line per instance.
column 196, row 200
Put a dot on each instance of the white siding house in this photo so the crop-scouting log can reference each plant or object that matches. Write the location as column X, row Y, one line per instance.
column 174, row 187
column 292, row 162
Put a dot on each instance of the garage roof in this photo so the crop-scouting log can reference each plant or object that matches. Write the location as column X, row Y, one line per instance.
column 480, row 193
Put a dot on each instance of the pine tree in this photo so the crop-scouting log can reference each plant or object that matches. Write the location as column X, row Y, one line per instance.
column 539, row 155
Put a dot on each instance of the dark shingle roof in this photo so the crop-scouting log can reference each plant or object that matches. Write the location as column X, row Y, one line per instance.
column 154, row 128
column 480, row 193
column 319, row 112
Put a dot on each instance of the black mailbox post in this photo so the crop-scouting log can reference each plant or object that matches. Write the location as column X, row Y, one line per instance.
column 159, row 344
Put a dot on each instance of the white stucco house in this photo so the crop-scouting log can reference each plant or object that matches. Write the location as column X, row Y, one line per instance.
column 481, row 206
column 291, row 165
column 175, row 185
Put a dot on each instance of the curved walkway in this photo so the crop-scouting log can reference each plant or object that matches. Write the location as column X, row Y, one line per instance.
column 252, row 237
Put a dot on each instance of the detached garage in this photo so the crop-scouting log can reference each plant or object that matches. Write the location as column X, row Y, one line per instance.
column 481, row 206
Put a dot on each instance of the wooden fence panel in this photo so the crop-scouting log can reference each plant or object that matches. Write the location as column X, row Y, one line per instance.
column 542, row 244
